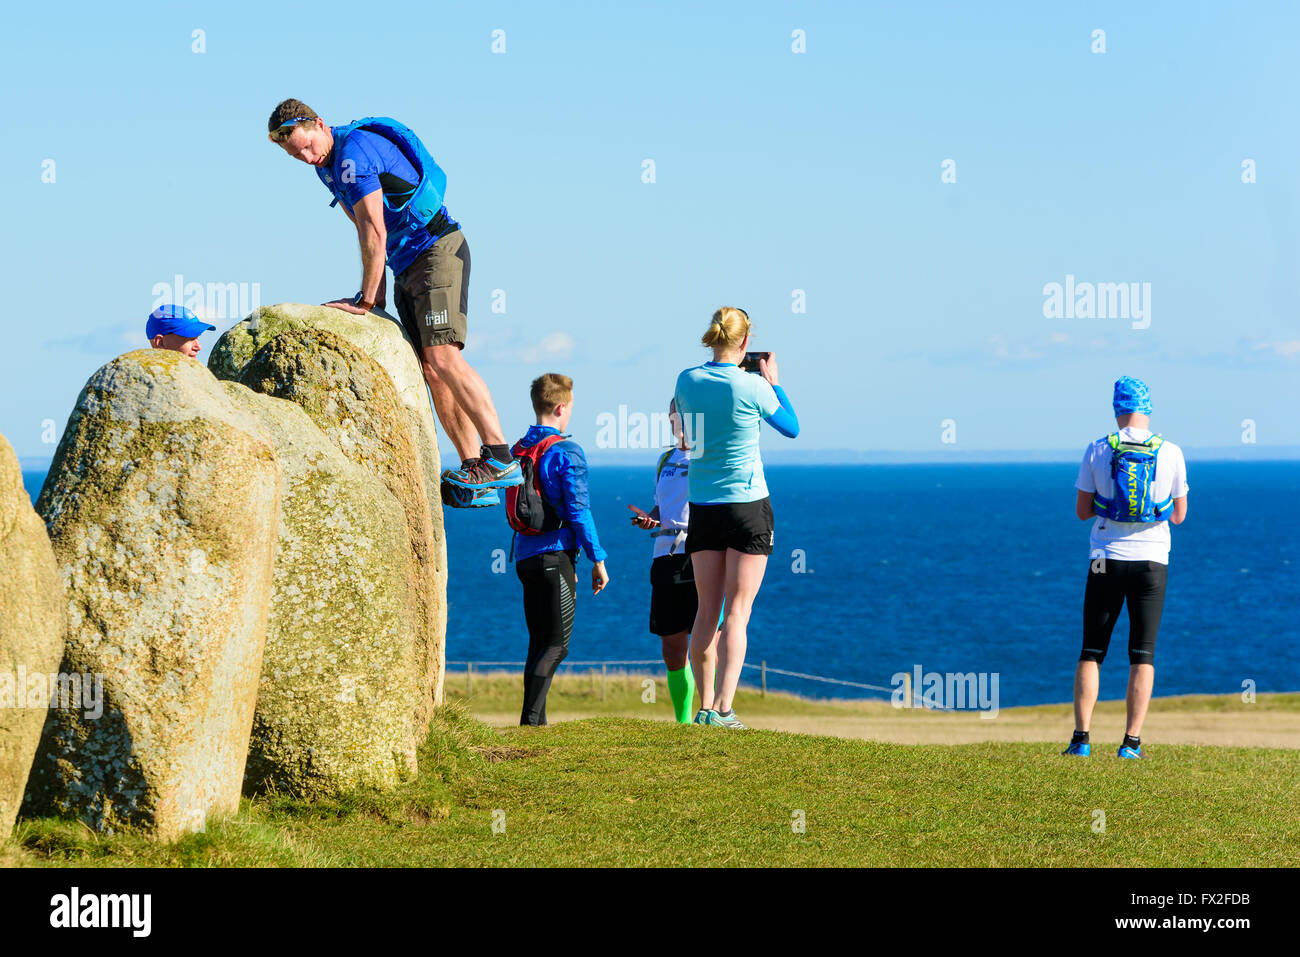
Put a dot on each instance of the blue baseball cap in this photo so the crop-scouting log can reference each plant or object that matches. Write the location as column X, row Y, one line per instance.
column 175, row 321
column 1131, row 395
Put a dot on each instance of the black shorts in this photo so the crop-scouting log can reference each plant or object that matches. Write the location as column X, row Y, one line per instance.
column 432, row 294
column 673, row 600
column 1114, row 583
column 747, row 527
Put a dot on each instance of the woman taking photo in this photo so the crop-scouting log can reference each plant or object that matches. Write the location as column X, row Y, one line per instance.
column 730, row 528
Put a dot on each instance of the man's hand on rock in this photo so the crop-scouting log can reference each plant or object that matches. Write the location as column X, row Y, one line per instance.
column 346, row 305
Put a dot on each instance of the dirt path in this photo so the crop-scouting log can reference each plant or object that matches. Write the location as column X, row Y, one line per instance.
column 1269, row 729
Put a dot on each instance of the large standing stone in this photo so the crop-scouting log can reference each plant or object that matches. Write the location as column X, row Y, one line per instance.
column 162, row 505
column 32, row 626
column 334, row 706
column 353, row 401
column 384, row 340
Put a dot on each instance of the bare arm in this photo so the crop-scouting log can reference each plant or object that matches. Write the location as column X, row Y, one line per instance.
column 1179, row 513
column 372, row 236
column 1083, row 505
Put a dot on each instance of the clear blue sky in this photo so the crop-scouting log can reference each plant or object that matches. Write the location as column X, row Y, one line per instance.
column 775, row 171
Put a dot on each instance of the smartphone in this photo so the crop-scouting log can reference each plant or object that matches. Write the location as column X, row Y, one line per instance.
column 750, row 362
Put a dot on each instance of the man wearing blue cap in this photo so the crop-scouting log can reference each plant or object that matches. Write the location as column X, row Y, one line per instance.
column 1133, row 485
column 176, row 328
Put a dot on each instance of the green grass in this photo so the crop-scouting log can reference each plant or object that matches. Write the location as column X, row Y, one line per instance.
column 621, row 791
column 498, row 692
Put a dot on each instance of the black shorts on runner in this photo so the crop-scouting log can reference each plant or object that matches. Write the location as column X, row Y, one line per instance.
column 432, row 294
column 1114, row 583
column 747, row 527
column 673, row 600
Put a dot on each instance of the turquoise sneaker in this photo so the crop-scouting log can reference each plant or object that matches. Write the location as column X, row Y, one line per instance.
column 454, row 496
column 702, row 716
column 1081, row 750
column 726, row 719
column 1124, row 752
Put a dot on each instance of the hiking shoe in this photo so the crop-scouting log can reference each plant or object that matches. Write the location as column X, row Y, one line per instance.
column 726, row 719
column 1079, row 750
column 485, row 473
column 457, row 497
column 702, row 716
column 1125, row 752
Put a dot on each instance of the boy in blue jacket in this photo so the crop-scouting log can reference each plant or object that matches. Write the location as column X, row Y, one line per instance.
column 546, row 560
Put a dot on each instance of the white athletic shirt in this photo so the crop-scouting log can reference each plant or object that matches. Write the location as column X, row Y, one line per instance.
column 1132, row 541
column 672, row 495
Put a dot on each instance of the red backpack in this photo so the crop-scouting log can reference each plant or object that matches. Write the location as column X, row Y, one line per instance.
column 527, row 510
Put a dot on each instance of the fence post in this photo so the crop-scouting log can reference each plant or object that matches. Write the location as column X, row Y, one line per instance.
column 602, row 681
column 762, row 667
column 469, row 679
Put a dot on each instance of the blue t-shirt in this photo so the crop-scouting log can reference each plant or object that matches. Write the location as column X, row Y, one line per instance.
column 722, row 409
column 367, row 162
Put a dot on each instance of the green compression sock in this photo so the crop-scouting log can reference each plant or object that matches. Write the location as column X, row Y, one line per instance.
column 681, row 685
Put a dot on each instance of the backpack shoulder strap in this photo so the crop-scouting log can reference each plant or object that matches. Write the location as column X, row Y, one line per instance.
column 663, row 460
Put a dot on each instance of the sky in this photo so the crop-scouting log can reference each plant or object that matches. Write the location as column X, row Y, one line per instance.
column 890, row 204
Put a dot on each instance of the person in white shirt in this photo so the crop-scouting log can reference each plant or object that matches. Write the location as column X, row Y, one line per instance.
column 1133, row 486
column 673, row 599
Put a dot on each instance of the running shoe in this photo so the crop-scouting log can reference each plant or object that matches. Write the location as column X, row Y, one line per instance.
column 726, row 719
column 702, row 716
column 1080, row 750
column 457, row 497
column 1126, row 752
column 485, row 472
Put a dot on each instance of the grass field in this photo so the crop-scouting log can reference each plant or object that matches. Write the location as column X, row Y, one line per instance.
column 615, row 790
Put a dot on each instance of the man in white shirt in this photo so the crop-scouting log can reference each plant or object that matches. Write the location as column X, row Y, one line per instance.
column 1128, row 559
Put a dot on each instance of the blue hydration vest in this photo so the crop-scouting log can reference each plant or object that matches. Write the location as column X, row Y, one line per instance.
column 1133, row 467
column 415, row 209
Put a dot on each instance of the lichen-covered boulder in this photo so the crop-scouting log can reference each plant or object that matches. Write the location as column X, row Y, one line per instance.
column 334, row 709
column 162, row 505
column 32, row 626
column 383, row 340
column 351, row 399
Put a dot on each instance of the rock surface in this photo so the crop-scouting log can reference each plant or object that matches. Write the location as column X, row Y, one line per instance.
column 162, row 505
column 383, row 340
column 354, row 400
column 32, row 626
column 334, row 709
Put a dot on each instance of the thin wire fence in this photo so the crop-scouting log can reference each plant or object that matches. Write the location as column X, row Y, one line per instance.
column 762, row 668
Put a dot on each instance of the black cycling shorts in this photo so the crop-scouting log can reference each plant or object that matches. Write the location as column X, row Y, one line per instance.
column 747, row 527
column 1112, row 584
column 673, row 600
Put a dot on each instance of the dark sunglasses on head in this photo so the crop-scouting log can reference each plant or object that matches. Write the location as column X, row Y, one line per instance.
column 275, row 134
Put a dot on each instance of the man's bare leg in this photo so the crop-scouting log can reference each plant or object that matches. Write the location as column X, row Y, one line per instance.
column 1087, row 681
column 468, row 390
column 455, row 422
column 1141, row 679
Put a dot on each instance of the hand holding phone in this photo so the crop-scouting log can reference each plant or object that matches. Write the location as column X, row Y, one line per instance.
column 642, row 519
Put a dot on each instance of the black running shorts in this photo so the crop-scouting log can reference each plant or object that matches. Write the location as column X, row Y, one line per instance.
column 1111, row 585
column 432, row 294
column 747, row 527
column 673, row 600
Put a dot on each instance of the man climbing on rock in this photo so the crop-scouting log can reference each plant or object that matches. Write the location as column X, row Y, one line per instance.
column 392, row 190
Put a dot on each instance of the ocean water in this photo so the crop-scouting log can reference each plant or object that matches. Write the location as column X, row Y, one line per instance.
column 956, row 568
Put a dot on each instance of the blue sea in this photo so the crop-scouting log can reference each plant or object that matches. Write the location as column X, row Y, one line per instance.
column 956, row 568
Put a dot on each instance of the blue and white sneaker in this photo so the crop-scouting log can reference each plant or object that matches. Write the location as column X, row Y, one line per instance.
column 1127, row 752
column 485, row 472
column 457, row 497
column 726, row 719
column 702, row 716
column 1082, row 749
